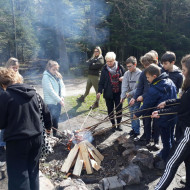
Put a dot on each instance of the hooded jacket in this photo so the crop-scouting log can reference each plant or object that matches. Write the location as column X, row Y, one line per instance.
column 161, row 89
column 20, row 115
column 176, row 76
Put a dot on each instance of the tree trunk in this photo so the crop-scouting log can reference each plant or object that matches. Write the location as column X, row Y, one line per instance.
column 14, row 27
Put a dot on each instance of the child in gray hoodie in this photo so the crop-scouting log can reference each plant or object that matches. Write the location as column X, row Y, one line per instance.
column 129, row 86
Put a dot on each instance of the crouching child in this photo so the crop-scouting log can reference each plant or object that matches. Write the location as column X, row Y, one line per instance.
column 161, row 88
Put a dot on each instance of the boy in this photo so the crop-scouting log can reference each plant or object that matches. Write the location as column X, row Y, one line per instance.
column 140, row 94
column 129, row 85
column 168, row 60
column 161, row 88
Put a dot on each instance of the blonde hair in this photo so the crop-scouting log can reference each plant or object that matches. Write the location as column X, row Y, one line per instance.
column 110, row 55
column 12, row 62
column 8, row 77
column 100, row 52
column 51, row 64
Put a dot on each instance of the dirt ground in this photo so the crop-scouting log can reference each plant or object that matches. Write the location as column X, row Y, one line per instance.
column 113, row 161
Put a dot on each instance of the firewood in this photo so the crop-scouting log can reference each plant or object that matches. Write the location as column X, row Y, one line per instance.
column 85, row 157
column 70, row 158
column 95, row 165
column 78, row 165
column 94, row 156
column 100, row 156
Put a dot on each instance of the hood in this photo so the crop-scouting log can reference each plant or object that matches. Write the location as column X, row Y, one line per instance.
column 176, row 69
column 163, row 83
column 24, row 90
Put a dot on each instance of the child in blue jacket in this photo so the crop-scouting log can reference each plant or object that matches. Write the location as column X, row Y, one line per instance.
column 161, row 88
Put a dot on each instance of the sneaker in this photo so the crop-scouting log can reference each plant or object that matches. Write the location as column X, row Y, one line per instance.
column 142, row 138
column 118, row 128
column 80, row 99
column 131, row 132
column 134, row 135
column 148, row 145
column 156, row 147
column 95, row 105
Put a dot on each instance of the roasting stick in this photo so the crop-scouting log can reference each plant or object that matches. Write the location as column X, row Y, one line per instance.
column 86, row 118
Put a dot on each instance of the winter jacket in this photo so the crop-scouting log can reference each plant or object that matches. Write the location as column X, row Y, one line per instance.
column 95, row 65
column 130, row 82
column 105, row 83
column 181, row 106
column 161, row 89
column 142, row 86
column 53, row 90
column 176, row 76
column 20, row 115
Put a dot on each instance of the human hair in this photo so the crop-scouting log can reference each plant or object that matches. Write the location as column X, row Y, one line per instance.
column 110, row 55
column 153, row 70
column 146, row 60
column 185, row 61
column 153, row 56
column 132, row 60
column 51, row 64
column 12, row 62
column 100, row 52
column 168, row 56
column 9, row 76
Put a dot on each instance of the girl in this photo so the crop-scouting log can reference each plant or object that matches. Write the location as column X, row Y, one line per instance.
column 54, row 92
column 181, row 152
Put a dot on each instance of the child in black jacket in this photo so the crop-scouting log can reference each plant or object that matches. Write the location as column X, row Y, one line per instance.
column 181, row 152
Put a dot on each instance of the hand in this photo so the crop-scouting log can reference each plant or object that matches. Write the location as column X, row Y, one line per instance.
column 128, row 95
column 132, row 101
column 122, row 100
column 134, row 116
column 161, row 105
column 121, row 79
column 62, row 103
column 155, row 114
column 98, row 96
column 140, row 99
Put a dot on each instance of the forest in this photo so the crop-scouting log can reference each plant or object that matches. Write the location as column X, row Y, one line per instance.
column 68, row 30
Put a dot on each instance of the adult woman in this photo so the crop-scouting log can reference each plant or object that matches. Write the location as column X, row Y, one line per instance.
column 181, row 152
column 20, row 117
column 95, row 64
column 54, row 92
column 110, row 82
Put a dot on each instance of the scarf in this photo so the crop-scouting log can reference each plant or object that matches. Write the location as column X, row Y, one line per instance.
column 113, row 69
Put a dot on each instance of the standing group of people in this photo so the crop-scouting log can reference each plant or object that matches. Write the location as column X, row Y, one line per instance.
column 156, row 86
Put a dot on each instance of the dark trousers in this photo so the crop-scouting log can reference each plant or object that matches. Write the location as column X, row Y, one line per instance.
column 55, row 111
column 110, row 106
column 147, row 127
column 180, row 153
column 22, row 158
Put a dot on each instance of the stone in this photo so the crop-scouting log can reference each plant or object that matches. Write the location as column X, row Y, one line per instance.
column 45, row 183
column 128, row 152
column 131, row 174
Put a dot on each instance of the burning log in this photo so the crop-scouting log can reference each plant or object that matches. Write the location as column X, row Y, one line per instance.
column 83, row 153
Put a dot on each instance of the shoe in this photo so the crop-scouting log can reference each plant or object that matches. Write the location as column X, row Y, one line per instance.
column 156, row 147
column 95, row 105
column 81, row 99
column 118, row 128
column 142, row 138
column 148, row 145
column 183, row 180
column 134, row 135
column 113, row 128
column 131, row 132
column 182, row 188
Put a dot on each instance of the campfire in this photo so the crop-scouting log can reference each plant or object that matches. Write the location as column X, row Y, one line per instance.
column 82, row 155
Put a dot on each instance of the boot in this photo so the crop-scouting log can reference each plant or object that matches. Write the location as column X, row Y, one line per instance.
column 118, row 128
column 95, row 105
column 81, row 99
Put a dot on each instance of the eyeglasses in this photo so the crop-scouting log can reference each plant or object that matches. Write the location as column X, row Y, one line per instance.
column 96, row 51
column 129, row 66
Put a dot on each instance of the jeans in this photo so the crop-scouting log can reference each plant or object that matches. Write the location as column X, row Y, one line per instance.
column 134, row 123
column 55, row 111
column 2, row 143
column 147, row 126
column 22, row 158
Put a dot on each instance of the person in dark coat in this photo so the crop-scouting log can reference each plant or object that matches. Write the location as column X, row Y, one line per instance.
column 110, row 85
column 95, row 65
column 181, row 151
column 20, row 119
column 161, row 88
